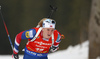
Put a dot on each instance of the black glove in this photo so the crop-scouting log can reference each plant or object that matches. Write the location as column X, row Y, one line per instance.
column 53, row 49
column 15, row 56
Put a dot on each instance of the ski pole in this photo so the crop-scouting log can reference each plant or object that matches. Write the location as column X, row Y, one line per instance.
column 6, row 29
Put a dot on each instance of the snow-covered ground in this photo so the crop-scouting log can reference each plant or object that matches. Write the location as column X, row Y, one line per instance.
column 72, row 52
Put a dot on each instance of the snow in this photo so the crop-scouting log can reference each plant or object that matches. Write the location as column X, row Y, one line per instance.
column 72, row 52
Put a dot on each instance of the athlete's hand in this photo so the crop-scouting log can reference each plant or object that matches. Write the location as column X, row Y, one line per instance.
column 15, row 56
column 53, row 49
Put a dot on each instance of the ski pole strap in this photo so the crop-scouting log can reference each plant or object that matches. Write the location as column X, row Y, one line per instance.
column 37, row 34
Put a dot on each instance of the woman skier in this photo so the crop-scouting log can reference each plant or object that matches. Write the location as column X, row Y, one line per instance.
column 41, row 40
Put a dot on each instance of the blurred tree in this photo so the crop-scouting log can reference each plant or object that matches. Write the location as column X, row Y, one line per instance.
column 94, row 30
column 84, row 19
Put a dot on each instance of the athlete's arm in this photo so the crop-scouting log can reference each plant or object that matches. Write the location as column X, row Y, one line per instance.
column 55, row 46
column 28, row 34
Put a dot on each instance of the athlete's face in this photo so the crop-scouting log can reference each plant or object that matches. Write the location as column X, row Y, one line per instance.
column 47, row 32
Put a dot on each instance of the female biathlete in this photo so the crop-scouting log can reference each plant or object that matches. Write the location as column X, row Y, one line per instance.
column 41, row 40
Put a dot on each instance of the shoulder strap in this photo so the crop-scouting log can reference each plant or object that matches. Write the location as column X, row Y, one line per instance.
column 38, row 32
column 52, row 40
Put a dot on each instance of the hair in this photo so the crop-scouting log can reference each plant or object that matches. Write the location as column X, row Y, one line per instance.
column 41, row 22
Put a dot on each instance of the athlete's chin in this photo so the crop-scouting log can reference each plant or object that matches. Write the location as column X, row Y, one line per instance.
column 48, row 37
